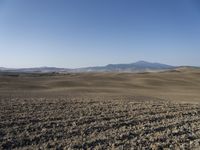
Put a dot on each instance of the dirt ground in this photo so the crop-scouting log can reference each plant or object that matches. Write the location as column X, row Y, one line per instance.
column 100, row 110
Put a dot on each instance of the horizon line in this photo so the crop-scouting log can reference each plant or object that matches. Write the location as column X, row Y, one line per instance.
column 45, row 66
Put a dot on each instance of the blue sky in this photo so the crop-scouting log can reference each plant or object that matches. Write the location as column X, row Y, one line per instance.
column 79, row 33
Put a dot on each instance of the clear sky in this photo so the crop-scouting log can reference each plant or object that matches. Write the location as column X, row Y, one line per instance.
column 79, row 33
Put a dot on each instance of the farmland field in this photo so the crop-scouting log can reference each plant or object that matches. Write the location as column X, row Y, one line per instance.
column 100, row 110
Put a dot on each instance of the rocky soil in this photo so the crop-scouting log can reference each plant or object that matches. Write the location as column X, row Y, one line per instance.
column 98, row 122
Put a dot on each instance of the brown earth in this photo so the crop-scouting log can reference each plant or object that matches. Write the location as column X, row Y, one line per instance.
column 101, row 110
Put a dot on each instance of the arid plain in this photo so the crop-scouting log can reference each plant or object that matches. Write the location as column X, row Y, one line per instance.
column 159, row 110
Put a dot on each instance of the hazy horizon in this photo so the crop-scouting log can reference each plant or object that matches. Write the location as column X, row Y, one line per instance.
column 94, row 65
column 74, row 34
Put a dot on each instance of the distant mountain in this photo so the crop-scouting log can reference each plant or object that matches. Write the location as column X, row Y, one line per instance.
column 140, row 66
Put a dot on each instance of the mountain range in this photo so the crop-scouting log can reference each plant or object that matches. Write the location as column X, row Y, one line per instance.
column 140, row 66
